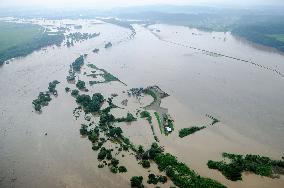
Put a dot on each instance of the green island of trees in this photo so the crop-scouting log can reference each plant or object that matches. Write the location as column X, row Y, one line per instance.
column 42, row 100
column 90, row 104
column 181, row 175
column 187, row 131
column 81, row 84
column 259, row 165
column 78, row 63
column 52, row 86
column 44, row 97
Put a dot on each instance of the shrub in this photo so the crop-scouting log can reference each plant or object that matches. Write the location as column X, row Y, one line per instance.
column 113, row 169
column 80, row 84
column 74, row 92
column 122, row 169
column 103, row 153
column 114, row 162
column 187, row 131
column 152, row 179
column 162, row 179
column 145, row 163
column 84, row 129
column 136, row 181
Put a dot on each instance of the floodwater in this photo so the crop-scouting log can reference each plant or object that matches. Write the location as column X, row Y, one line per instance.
column 247, row 99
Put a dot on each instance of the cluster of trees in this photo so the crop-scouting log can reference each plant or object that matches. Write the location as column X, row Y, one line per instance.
column 81, row 84
column 84, row 130
column 67, row 89
column 147, row 115
column 115, row 132
column 151, row 153
column 77, row 36
column 187, row 131
column 153, row 179
column 90, row 104
column 52, row 86
column 137, row 181
column 263, row 166
column 78, row 63
column 44, row 97
column 145, row 163
column 75, row 92
column 182, row 175
column 96, row 50
column 108, row 45
column 42, row 100
column 129, row 118
column 104, row 154
column 115, row 168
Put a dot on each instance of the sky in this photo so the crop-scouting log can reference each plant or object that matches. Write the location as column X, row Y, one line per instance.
column 121, row 3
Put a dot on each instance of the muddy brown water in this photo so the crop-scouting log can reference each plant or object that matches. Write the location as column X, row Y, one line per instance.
column 247, row 99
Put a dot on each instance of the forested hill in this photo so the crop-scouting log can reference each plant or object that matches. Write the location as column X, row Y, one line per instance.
column 260, row 25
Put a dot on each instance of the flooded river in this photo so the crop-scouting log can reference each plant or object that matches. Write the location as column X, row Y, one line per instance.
column 246, row 96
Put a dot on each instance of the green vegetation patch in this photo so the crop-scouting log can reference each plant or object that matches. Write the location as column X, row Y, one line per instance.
column 153, row 179
column 42, row 100
column 187, row 131
column 147, row 115
column 108, row 77
column 182, row 175
column 168, row 124
column 81, row 84
column 17, row 39
column 44, row 97
column 129, row 118
column 78, row 63
column 136, row 181
column 90, row 104
column 259, row 165
column 52, row 86
column 159, row 122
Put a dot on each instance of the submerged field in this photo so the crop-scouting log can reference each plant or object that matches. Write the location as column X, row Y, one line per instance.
column 236, row 98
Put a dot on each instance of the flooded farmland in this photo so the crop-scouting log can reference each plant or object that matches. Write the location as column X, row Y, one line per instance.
column 203, row 73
